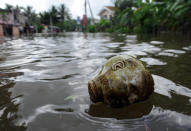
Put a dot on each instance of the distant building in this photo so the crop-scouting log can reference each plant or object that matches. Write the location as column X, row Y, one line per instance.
column 107, row 12
column 96, row 21
column 10, row 21
column 6, row 17
column 12, row 17
column 20, row 18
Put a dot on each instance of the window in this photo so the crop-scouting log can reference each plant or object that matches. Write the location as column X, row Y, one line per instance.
column 110, row 17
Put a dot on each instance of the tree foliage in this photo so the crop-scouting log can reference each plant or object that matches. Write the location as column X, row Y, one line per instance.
column 56, row 16
column 152, row 16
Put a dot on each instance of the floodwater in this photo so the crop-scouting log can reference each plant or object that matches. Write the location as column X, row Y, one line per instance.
column 43, row 83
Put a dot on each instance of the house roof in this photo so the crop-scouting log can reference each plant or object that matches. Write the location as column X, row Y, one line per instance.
column 4, row 10
column 112, row 8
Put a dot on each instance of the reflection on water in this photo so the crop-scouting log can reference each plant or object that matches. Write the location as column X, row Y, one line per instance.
column 43, row 82
column 129, row 112
column 9, row 107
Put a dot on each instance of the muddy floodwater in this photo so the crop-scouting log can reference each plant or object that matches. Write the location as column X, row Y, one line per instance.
column 43, row 83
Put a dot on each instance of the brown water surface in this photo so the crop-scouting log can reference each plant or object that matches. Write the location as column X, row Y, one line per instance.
column 43, row 83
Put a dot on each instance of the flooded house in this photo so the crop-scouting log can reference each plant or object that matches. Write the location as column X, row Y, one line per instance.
column 11, row 22
column 107, row 13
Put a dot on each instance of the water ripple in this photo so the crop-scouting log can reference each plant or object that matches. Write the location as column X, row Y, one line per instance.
column 43, row 79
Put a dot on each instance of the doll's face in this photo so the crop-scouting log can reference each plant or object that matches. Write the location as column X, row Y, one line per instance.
column 119, row 77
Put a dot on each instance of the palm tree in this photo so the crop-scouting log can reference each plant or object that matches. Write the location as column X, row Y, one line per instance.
column 8, row 7
column 19, row 8
column 45, row 18
column 28, row 11
column 62, row 12
column 54, row 14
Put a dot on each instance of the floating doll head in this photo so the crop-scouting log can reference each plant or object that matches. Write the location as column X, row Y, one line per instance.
column 123, row 80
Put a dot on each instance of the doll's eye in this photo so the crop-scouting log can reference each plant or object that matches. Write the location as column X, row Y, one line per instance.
column 118, row 65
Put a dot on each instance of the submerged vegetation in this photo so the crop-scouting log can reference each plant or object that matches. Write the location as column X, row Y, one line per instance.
column 136, row 16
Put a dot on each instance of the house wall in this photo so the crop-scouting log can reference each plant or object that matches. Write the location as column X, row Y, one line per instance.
column 15, row 31
column 10, row 22
column 21, row 19
column 1, row 31
column 6, row 18
column 107, row 14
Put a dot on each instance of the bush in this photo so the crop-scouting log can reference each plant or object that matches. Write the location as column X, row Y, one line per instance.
column 39, row 27
column 91, row 28
column 109, row 30
column 70, row 25
column 104, row 24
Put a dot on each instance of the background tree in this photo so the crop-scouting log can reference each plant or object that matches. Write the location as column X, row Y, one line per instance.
column 8, row 7
column 53, row 15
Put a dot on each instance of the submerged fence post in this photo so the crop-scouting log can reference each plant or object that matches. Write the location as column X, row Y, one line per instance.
column 1, row 31
column 15, row 31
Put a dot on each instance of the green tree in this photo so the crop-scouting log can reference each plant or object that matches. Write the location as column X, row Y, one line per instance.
column 8, row 7
column 64, row 13
column 45, row 17
column 152, row 16
column 54, row 15
column 28, row 11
